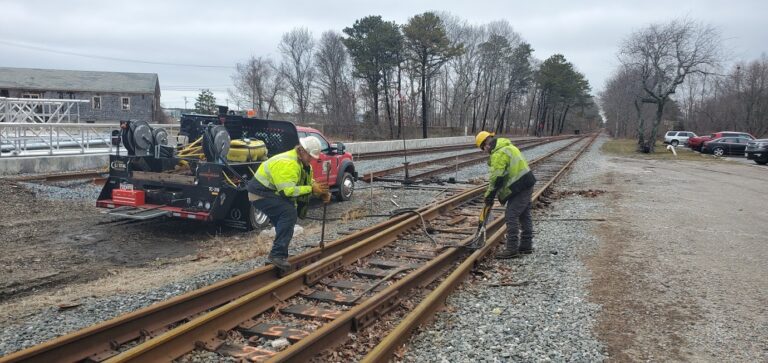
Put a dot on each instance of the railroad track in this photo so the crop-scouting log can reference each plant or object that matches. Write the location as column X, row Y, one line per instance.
column 423, row 171
column 98, row 177
column 343, row 288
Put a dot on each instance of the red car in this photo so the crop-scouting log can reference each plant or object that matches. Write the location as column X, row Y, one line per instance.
column 697, row 142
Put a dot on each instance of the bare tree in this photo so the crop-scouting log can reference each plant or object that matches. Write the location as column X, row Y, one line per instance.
column 297, row 47
column 333, row 78
column 257, row 85
column 664, row 55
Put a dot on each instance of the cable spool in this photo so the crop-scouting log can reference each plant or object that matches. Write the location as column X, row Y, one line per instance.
column 138, row 139
column 216, row 143
column 160, row 136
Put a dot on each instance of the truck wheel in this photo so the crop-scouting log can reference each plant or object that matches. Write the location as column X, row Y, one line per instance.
column 346, row 187
column 257, row 218
column 761, row 161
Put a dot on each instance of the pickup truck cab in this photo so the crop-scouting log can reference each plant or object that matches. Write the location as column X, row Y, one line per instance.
column 335, row 165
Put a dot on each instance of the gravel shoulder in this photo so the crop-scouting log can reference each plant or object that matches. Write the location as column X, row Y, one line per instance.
column 681, row 270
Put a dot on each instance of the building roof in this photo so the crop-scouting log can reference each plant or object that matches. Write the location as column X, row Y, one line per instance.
column 62, row 80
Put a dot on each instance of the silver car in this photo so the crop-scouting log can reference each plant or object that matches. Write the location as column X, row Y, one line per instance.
column 675, row 138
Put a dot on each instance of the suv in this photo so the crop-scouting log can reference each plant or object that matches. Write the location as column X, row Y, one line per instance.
column 697, row 142
column 335, row 165
column 757, row 150
column 675, row 138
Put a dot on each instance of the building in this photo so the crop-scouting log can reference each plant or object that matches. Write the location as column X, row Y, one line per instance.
column 113, row 96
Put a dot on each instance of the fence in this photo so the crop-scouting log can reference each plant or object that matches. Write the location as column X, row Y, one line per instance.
column 34, row 139
column 34, row 110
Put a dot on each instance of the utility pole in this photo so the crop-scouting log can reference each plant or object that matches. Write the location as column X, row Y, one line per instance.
column 185, row 103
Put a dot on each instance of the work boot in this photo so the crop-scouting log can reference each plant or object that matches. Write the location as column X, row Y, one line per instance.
column 527, row 251
column 279, row 262
column 507, row 253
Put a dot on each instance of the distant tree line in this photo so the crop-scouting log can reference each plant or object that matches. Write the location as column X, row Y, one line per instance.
column 673, row 72
column 436, row 70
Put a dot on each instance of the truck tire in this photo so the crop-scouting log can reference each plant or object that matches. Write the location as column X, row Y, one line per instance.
column 346, row 187
column 257, row 219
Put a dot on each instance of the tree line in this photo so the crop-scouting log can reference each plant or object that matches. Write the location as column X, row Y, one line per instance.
column 674, row 72
column 437, row 70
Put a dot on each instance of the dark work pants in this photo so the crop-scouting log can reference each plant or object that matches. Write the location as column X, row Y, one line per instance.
column 518, row 218
column 282, row 214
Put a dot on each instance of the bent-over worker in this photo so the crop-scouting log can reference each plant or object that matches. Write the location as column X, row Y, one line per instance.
column 281, row 189
column 512, row 181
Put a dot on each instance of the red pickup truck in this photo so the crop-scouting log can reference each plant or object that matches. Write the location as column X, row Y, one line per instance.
column 697, row 142
column 335, row 165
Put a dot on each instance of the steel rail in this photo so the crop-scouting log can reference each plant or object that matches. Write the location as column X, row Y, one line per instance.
column 383, row 351
column 332, row 333
column 468, row 158
column 84, row 174
column 204, row 330
column 100, row 341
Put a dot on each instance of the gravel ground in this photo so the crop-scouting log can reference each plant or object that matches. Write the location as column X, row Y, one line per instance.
column 540, row 310
column 34, row 327
column 68, row 191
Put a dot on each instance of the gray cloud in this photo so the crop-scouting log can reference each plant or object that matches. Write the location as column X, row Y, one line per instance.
column 588, row 33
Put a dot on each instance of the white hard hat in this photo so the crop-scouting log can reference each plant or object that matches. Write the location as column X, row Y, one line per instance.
column 312, row 145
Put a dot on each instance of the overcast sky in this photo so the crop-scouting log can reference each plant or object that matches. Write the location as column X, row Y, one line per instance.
column 39, row 34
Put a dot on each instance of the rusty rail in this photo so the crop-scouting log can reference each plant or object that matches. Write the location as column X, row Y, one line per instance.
column 435, row 300
column 100, row 341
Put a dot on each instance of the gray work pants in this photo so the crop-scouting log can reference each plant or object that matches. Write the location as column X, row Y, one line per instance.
column 519, row 222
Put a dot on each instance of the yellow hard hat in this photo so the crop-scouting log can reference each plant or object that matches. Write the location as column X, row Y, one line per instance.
column 481, row 136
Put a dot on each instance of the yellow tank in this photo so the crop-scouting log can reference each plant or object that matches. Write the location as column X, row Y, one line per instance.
column 245, row 150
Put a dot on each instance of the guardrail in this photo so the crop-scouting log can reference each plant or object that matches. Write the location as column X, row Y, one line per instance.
column 36, row 139
column 40, row 110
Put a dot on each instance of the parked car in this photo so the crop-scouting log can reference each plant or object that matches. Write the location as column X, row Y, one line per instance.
column 757, row 150
column 725, row 146
column 675, row 138
column 697, row 142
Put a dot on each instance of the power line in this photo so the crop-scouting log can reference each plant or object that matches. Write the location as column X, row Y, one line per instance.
column 51, row 50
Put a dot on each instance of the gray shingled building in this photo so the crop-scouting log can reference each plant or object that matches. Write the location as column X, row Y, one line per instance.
column 113, row 96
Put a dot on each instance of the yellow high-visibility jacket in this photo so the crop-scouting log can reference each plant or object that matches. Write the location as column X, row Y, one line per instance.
column 285, row 176
column 510, row 173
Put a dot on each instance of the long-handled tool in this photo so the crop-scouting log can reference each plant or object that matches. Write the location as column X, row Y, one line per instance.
column 325, row 207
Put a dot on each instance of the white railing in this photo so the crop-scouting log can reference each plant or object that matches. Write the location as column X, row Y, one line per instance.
column 40, row 110
column 36, row 139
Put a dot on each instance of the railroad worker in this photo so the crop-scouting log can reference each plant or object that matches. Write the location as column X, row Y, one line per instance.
column 511, row 180
column 281, row 189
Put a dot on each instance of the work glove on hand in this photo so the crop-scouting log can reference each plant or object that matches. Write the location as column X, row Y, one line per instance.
column 319, row 188
column 486, row 211
column 326, row 197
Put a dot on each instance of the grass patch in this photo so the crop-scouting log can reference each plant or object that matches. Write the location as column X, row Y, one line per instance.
column 628, row 148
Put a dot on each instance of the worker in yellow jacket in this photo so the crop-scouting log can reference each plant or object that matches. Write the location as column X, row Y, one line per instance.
column 281, row 188
column 511, row 180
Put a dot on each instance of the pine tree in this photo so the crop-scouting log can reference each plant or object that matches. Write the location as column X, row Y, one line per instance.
column 205, row 102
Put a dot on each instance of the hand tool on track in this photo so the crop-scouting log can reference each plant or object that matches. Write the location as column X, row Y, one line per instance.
column 478, row 240
column 325, row 207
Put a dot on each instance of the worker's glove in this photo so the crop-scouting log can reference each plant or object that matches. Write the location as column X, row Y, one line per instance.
column 486, row 211
column 326, row 197
column 319, row 188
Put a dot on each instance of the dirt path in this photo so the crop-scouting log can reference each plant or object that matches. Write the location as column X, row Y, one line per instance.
column 682, row 272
